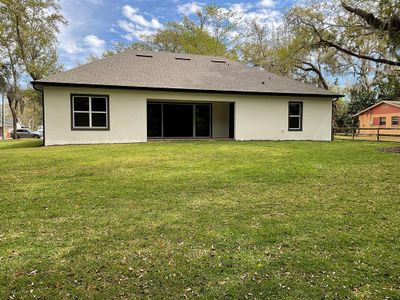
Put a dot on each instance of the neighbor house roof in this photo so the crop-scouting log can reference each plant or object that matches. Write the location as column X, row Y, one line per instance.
column 394, row 103
column 161, row 70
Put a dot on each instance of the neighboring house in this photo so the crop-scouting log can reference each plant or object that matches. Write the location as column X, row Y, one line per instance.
column 139, row 95
column 382, row 115
column 8, row 128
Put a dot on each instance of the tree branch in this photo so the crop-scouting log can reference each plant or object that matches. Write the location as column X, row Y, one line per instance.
column 358, row 55
column 367, row 16
column 313, row 68
column 391, row 26
column 322, row 41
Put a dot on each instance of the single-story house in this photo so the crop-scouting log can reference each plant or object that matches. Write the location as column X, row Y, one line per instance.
column 136, row 96
column 383, row 115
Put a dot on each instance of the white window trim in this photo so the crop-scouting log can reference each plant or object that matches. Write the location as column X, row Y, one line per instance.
column 300, row 116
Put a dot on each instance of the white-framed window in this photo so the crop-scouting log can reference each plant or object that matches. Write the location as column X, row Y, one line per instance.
column 90, row 112
column 295, row 116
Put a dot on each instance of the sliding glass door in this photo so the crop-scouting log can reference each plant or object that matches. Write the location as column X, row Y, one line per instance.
column 154, row 120
column 202, row 124
column 178, row 120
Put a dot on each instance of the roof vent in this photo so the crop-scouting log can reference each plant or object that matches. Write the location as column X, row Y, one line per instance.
column 218, row 61
column 182, row 58
column 144, row 55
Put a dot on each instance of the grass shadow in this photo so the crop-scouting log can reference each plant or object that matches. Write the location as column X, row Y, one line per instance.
column 17, row 144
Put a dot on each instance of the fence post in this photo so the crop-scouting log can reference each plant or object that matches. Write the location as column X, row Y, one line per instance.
column 377, row 135
column 353, row 131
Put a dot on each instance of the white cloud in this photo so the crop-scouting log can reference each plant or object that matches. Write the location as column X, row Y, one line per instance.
column 240, row 8
column 68, row 44
column 77, row 49
column 189, row 8
column 133, row 31
column 136, row 24
column 96, row 2
column 132, row 14
column 267, row 3
column 95, row 45
column 246, row 12
column 79, row 39
column 262, row 14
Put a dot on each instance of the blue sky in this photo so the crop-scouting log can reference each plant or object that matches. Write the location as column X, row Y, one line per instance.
column 93, row 25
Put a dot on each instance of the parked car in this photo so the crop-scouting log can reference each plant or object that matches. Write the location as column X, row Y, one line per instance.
column 26, row 133
column 39, row 132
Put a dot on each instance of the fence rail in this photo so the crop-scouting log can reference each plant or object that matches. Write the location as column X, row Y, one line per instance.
column 378, row 134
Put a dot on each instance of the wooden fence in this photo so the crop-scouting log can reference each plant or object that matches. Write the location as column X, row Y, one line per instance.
column 377, row 134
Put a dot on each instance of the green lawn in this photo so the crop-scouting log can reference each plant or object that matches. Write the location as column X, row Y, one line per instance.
column 295, row 220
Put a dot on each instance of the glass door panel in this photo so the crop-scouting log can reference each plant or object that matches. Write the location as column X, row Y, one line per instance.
column 178, row 120
column 203, row 118
column 154, row 120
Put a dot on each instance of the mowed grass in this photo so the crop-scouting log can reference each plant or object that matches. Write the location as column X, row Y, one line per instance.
column 256, row 220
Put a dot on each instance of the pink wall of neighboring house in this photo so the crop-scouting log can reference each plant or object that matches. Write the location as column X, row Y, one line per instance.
column 7, row 131
column 374, row 117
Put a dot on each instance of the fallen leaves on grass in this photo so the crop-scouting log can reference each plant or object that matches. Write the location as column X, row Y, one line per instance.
column 390, row 149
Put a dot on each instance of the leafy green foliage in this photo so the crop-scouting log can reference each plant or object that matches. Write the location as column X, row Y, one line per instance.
column 342, row 118
column 30, row 113
column 360, row 99
column 211, row 33
column 186, row 38
column 32, row 27
column 28, row 42
column 292, row 50
column 388, row 88
column 360, row 29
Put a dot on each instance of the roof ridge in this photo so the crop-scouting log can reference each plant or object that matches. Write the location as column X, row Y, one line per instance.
column 177, row 53
column 115, row 55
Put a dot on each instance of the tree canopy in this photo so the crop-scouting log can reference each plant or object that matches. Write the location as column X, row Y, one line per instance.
column 28, row 41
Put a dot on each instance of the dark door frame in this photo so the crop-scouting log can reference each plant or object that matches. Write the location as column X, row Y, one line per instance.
column 194, row 119
column 232, row 120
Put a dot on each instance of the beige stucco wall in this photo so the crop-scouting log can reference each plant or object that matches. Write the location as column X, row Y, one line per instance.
column 220, row 114
column 266, row 118
column 127, row 118
column 256, row 117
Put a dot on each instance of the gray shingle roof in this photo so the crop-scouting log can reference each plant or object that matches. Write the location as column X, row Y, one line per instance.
column 161, row 70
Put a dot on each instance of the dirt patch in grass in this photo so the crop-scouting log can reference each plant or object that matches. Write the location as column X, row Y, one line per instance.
column 390, row 149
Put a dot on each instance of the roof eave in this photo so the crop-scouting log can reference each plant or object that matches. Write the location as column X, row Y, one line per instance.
column 39, row 85
column 372, row 106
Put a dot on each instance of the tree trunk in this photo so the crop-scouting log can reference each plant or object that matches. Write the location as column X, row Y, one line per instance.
column 13, row 110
